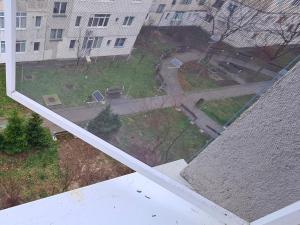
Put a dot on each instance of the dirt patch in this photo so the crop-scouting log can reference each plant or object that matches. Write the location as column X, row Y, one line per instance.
column 84, row 165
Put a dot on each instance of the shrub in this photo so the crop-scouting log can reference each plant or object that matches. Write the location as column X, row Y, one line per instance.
column 105, row 124
column 36, row 135
column 14, row 134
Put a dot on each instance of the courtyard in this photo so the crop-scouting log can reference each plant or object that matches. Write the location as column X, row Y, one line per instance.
column 163, row 120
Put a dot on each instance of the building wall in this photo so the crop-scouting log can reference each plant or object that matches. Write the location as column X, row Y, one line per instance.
column 253, row 168
column 195, row 15
column 59, row 49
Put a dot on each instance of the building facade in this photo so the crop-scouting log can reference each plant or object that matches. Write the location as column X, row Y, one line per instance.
column 259, row 23
column 53, row 29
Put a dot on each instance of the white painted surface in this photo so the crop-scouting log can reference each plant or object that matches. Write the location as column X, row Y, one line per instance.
column 113, row 202
column 173, row 170
column 289, row 215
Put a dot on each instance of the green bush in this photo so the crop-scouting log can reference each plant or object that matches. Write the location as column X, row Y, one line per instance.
column 21, row 135
column 36, row 135
column 105, row 124
column 14, row 134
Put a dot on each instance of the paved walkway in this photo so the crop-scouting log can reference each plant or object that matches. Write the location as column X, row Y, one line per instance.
column 175, row 98
column 131, row 106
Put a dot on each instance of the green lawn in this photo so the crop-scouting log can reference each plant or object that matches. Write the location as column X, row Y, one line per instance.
column 223, row 110
column 137, row 75
column 160, row 136
column 32, row 175
column 7, row 105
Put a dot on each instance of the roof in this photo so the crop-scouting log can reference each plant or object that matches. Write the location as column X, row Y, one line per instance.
column 253, row 168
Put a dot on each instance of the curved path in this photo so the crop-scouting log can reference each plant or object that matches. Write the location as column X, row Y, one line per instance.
column 175, row 97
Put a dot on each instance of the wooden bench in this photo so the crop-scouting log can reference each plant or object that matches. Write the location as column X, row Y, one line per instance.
column 114, row 92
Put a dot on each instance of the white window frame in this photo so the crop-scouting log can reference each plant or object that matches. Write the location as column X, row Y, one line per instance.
column 39, row 46
column 57, row 36
column 2, row 17
column 20, row 17
column 60, row 8
column 96, row 42
column 40, row 21
column 2, row 47
column 117, row 42
column 170, row 184
column 22, row 45
column 99, row 20
column 78, row 21
column 128, row 21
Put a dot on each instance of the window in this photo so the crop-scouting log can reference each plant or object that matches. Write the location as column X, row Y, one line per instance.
column 218, row 4
column 281, row 19
column 296, row 3
column 161, row 8
column 72, row 44
column 128, row 20
column 56, row 34
column 232, row 8
column 36, row 46
column 1, row 20
column 201, row 2
column 186, row 2
column 290, row 28
column 208, row 18
column 174, row 2
column 60, row 8
column 38, row 21
column 77, row 22
column 178, row 16
column 2, row 47
column 120, row 42
column 99, row 20
column 108, row 43
column 255, row 35
column 21, row 20
column 20, row 46
column 92, row 42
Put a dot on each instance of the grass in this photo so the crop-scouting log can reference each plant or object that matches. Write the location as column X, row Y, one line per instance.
column 137, row 75
column 34, row 174
column 7, row 105
column 160, row 136
column 196, row 76
column 223, row 110
column 194, row 81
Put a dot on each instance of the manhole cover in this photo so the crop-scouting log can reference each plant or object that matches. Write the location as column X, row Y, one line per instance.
column 51, row 100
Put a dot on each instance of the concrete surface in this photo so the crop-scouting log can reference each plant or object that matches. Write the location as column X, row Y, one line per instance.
column 253, row 168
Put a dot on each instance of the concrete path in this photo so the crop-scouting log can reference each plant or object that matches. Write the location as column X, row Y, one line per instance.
column 175, row 97
column 132, row 106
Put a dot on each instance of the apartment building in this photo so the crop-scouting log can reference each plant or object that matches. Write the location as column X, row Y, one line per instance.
column 54, row 29
column 260, row 21
column 176, row 13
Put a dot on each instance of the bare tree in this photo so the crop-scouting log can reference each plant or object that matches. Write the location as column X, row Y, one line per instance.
column 226, row 21
column 277, row 39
